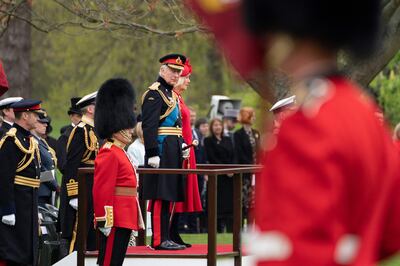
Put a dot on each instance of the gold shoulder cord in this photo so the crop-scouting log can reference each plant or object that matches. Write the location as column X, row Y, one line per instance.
column 91, row 147
column 171, row 104
column 30, row 152
column 71, row 135
column 52, row 152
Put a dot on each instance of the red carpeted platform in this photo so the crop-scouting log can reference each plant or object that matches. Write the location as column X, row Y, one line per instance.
column 195, row 250
column 200, row 249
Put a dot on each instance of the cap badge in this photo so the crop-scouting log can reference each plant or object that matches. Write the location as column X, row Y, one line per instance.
column 178, row 60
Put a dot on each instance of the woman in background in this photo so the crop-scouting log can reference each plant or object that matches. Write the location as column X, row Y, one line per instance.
column 219, row 150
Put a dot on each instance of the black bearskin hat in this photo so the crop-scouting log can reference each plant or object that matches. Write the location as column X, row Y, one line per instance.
column 342, row 24
column 114, row 107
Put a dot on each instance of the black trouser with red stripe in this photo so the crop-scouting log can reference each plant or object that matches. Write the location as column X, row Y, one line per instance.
column 159, row 221
column 113, row 248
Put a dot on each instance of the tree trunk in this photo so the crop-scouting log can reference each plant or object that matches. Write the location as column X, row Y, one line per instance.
column 365, row 71
column 15, row 50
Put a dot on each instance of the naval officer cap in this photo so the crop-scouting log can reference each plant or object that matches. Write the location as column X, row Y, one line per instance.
column 286, row 102
column 27, row 105
column 175, row 61
column 6, row 103
column 87, row 100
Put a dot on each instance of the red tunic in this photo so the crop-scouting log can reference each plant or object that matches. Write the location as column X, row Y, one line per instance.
column 192, row 202
column 329, row 193
column 113, row 169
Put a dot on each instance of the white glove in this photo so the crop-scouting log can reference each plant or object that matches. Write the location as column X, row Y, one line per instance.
column 185, row 153
column 8, row 219
column 74, row 203
column 105, row 230
column 154, row 161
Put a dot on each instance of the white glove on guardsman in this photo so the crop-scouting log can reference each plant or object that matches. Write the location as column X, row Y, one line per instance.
column 154, row 161
column 105, row 230
column 185, row 152
column 74, row 203
column 8, row 219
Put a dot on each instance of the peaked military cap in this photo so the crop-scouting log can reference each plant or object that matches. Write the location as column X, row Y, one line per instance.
column 283, row 103
column 176, row 61
column 87, row 100
column 5, row 103
column 27, row 105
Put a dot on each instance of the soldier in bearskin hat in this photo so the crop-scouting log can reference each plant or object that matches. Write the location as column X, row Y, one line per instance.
column 329, row 193
column 116, row 206
column 162, row 131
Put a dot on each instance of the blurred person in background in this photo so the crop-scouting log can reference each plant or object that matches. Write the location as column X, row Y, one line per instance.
column 328, row 194
column 396, row 136
column 201, row 129
column 219, row 150
column 247, row 142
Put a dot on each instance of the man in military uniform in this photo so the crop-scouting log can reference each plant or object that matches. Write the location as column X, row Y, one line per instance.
column 82, row 148
column 162, row 131
column 75, row 115
column 7, row 114
column 19, row 183
column 48, row 161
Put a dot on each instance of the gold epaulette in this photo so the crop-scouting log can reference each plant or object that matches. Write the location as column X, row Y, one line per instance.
column 154, row 87
column 81, row 124
column 12, row 132
column 170, row 103
column 71, row 136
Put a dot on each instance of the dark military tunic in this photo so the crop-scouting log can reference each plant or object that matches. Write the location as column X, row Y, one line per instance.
column 61, row 147
column 160, row 111
column 82, row 148
column 19, row 183
column 4, row 128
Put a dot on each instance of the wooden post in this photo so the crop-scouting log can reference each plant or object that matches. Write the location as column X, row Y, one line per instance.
column 82, row 218
column 141, row 241
column 212, row 220
column 237, row 217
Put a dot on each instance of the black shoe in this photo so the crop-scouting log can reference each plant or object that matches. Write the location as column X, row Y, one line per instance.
column 169, row 245
column 183, row 244
column 179, row 241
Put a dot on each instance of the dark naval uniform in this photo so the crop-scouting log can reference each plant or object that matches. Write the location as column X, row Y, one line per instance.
column 82, row 148
column 19, row 183
column 162, row 137
column 4, row 128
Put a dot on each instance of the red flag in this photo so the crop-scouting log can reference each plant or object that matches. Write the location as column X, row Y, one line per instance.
column 3, row 80
column 244, row 51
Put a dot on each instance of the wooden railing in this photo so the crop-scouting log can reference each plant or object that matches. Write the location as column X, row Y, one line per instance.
column 213, row 171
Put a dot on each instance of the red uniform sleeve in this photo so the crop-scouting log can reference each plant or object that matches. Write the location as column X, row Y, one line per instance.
column 105, row 174
column 297, row 197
